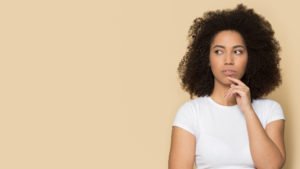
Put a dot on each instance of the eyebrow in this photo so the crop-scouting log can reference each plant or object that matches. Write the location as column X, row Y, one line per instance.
column 236, row 46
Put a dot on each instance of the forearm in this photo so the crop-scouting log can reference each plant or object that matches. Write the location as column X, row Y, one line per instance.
column 264, row 152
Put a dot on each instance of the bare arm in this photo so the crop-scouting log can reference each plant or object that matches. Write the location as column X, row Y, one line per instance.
column 182, row 151
column 266, row 145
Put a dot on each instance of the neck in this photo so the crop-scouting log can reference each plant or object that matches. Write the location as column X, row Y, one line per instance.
column 219, row 92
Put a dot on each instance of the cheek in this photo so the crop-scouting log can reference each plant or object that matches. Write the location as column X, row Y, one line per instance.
column 244, row 62
column 214, row 61
column 243, row 65
column 215, row 68
column 216, row 64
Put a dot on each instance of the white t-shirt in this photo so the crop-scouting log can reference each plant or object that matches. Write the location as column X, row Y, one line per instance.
column 221, row 131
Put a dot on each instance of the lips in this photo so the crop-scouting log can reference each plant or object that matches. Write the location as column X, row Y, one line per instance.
column 229, row 72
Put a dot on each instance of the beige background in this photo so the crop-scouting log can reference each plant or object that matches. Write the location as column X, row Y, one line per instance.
column 93, row 84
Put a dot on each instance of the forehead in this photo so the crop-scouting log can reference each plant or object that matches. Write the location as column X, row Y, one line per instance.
column 228, row 38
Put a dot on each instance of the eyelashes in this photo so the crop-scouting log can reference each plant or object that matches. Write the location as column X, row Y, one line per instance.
column 237, row 52
column 218, row 52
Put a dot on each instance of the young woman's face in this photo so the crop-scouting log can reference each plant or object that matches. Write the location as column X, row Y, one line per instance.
column 228, row 56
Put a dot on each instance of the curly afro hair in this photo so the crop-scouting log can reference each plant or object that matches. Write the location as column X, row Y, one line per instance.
column 262, row 73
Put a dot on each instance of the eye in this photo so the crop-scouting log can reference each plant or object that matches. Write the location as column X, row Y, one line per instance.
column 238, row 52
column 218, row 52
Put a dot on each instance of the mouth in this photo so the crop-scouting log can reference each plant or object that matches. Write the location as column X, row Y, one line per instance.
column 229, row 72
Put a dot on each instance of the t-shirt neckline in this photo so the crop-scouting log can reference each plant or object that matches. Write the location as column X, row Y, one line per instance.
column 220, row 105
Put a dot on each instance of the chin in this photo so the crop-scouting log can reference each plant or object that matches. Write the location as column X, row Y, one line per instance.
column 228, row 82
column 234, row 76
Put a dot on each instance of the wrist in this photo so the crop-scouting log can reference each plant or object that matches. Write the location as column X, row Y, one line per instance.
column 248, row 109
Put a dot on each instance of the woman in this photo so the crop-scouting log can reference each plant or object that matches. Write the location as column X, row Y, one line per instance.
column 231, row 62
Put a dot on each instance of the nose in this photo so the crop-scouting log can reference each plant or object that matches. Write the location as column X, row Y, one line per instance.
column 229, row 59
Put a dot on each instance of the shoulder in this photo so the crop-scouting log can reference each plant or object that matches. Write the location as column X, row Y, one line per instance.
column 191, row 106
column 195, row 107
column 195, row 104
column 187, row 117
column 265, row 103
column 268, row 110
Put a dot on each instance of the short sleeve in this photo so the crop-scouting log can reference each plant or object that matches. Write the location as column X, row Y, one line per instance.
column 276, row 112
column 185, row 118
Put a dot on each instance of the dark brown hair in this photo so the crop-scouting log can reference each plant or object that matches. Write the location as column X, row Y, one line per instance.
column 262, row 73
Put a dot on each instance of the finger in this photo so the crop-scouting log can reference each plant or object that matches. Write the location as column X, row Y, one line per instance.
column 238, row 92
column 232, row 92
column 232, row 86
column 229, row 91
column 237, row 81
column 238, row 87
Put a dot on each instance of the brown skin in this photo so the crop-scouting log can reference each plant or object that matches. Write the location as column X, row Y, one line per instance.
column 266, row 145
column 262, row 75
column 182, row 150
column 227, row 51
